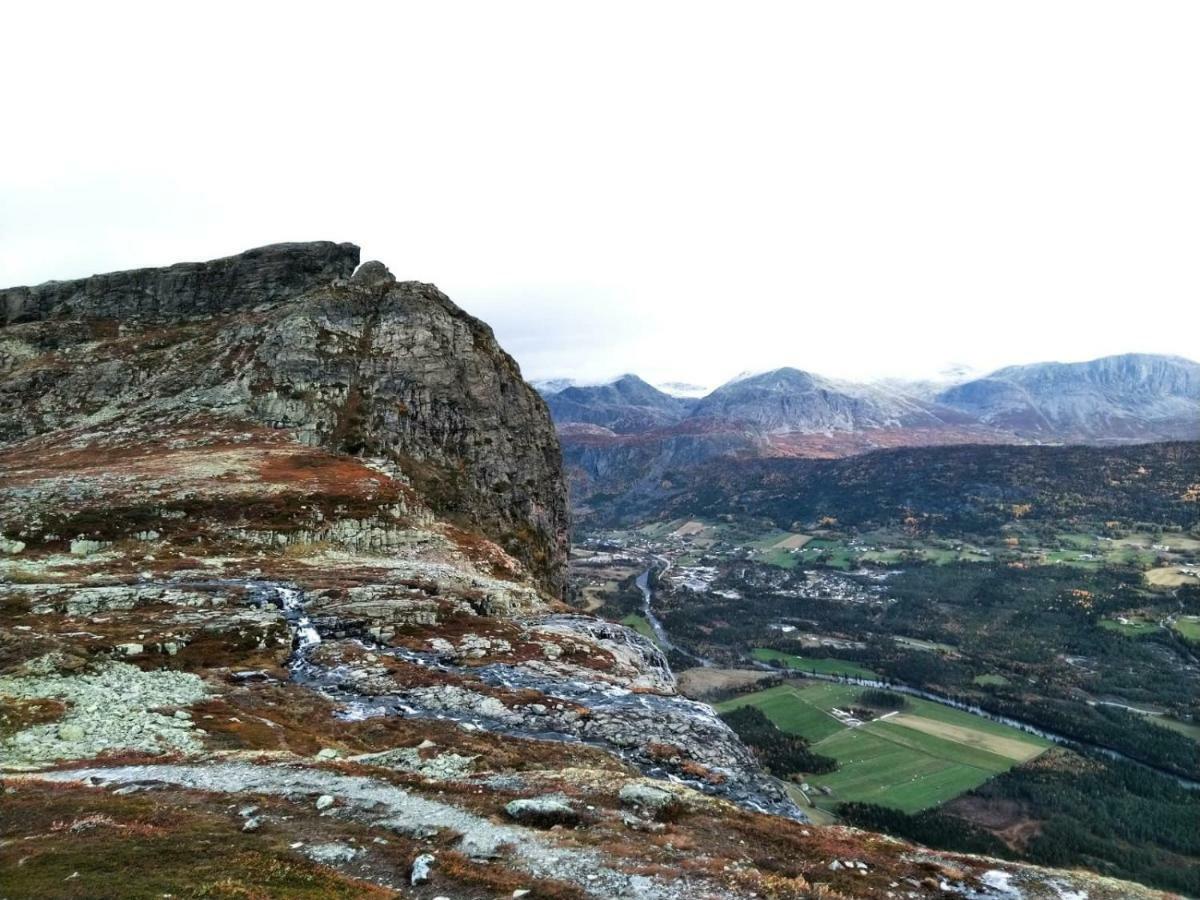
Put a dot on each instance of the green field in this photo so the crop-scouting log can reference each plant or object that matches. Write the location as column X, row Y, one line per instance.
column 822, row 666
column 777, row 556
column 642, row 627
column 1189, row 729
column 1132, row 627
column 1189, row 627
column 925, row 755
column 791, row 710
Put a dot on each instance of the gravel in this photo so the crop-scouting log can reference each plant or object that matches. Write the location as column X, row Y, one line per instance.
column 110, row 709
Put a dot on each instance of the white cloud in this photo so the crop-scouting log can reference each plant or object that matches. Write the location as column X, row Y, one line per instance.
column 685, row 190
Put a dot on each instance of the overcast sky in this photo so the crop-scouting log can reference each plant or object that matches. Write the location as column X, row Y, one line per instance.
column 685, row 190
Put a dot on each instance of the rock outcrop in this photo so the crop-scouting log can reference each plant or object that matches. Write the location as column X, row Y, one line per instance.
column 290, row 337
column 264, row 275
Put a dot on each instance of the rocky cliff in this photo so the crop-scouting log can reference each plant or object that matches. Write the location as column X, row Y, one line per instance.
column 282, row 542
column 286, row 337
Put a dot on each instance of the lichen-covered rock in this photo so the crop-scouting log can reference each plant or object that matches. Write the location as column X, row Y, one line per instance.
column 542, row 811
column 264, row 275
column 114, row 708
column 647, row 798
column 283, row 337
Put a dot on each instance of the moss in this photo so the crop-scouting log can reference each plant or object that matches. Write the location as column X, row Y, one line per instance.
column 91, row 844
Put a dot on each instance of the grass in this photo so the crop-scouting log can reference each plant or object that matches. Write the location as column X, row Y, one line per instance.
column 821, row 665
column 779, row 557
column 93, row 846
column 1188, row 729
column 1135, row 626
column 877, row 769
column 642, row 626
column 1170, row 576
column 1188, row 627
column 918, row 644
column 791, row 711
column 922, row 757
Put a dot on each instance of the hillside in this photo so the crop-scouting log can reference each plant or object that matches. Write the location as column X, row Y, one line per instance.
column 282, row 552
column 967, row 488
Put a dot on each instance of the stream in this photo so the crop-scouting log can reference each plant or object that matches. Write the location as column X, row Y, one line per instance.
column 619, row 720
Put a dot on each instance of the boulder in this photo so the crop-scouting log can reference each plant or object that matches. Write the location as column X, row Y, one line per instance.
column 647, row 798
column 422, row 868
column 543, row 811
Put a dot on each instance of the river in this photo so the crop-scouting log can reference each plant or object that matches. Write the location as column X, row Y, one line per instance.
column 660, row 633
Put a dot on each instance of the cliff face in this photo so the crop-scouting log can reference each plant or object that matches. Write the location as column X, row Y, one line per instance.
column 287, row 337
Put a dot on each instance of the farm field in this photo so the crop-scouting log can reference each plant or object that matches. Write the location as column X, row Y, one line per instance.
column 1134, row 626
column 911, row 760
column 1190, row 729
column 1189, row 627
column 1171, row 576
column 992, row 679
column 822, row 665
column 791, row 711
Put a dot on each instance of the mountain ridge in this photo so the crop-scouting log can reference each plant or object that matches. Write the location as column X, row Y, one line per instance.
column 612, row 444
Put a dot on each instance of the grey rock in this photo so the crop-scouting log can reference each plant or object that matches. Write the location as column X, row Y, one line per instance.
column 324, row 802
column 422, row 869
column 648, row 798
column 263, row 275
column 331, row 853
column 637, row 823
column 483, row 845
column 542, row 811
column 373, row 274
column 433, row 393
column 71, row 732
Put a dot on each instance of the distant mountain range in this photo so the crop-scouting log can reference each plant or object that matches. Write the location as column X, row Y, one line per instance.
column 628, row 432
column 626, row 405
column 1135, row 397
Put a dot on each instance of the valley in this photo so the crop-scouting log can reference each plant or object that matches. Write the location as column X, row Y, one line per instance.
column 1010, row 655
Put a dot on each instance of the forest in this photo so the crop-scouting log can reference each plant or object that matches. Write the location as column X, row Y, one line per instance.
column 950, row 490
